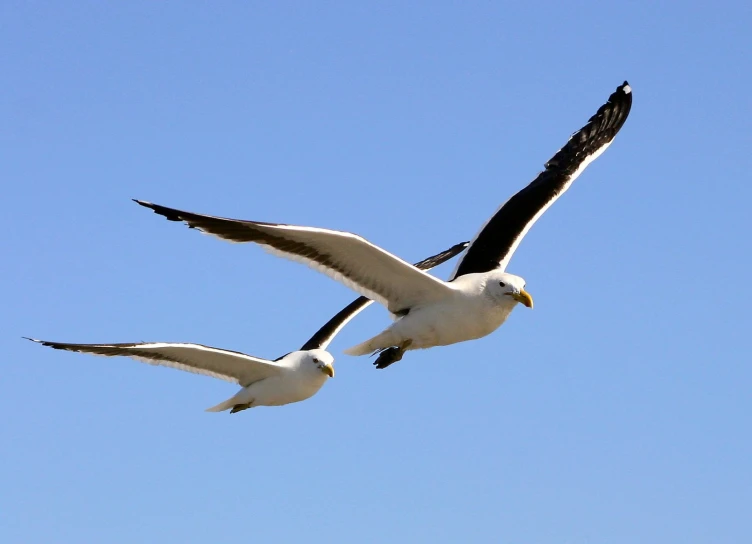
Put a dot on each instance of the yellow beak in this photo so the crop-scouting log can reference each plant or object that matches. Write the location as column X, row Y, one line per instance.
column 328, row 370
column 523, row 297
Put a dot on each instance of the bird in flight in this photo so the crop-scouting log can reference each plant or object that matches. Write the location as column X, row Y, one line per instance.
column 291, row 378
column 479, row 295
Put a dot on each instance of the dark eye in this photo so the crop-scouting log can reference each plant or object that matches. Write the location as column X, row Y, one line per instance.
column 315, row 360
column 502, row 284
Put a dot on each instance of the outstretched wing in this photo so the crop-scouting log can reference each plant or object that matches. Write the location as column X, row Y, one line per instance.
column 343, row 256
column 497, row 241
column 231, row 366
column 326, row 334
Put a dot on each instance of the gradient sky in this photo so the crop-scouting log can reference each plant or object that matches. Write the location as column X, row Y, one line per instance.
column 618, row 410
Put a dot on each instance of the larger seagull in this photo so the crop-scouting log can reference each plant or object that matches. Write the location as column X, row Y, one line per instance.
column 429, row 312
column 291, row 378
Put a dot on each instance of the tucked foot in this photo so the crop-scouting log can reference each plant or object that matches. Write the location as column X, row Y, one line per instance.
column 240, row 407
column 391, row 355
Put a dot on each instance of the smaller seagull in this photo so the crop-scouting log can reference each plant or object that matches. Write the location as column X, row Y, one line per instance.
column 480, row 294
column 291, row 378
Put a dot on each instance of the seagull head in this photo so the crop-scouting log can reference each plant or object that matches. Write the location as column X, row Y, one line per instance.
column 509, row 287
column 323, row 360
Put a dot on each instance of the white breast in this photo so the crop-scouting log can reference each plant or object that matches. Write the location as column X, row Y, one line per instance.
column 288, row 387
column 469, row 315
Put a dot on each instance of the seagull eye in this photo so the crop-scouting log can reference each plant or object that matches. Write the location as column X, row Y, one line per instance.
column 502, row 284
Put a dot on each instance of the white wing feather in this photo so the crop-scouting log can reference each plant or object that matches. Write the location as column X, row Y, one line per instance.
column 230, row 366
column 343, row 256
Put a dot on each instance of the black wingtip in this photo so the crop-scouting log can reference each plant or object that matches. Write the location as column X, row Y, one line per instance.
column 440, row 258
column 53, row 345
column 622, row 94
column 168, row 213
column 458, row 247
column 602, row 127
column 38, row 341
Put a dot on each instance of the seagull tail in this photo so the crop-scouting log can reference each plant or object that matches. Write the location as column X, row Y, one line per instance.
column 380, row 341
column 233, row 403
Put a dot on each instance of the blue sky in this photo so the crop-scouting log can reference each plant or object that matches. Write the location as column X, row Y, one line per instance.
column 618, row 410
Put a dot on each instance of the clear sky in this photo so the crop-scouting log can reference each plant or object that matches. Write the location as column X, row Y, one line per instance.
column 618, row 410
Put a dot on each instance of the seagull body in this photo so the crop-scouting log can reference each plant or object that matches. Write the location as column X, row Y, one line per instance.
column 292, row 378
column 475, row 306
column 429, row 312
column 302, row 374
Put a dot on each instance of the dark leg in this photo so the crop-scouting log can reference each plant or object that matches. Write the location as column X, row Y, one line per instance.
column 391, row 355
column 240, row 407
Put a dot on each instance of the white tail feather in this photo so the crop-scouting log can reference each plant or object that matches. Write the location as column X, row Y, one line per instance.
column 380, row 341
column 222, row 406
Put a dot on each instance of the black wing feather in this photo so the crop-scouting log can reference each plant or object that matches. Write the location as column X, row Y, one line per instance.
column 498, row 239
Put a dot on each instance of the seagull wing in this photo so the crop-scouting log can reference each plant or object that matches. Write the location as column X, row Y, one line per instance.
column 230, row 366
column 326, row 334
column 343, row 256
column 496, row 242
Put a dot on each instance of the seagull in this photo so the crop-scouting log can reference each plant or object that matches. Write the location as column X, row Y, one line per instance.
column 291, row 378
column 428, row 312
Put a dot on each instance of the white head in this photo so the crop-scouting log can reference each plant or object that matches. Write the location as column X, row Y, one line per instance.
column 508, row 287
column 323, row 360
